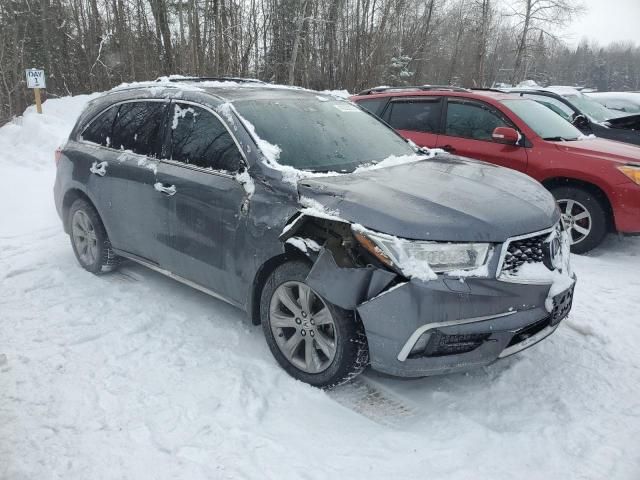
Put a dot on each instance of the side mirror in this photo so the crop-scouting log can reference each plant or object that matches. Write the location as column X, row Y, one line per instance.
column 580, row 121
column 505, row 135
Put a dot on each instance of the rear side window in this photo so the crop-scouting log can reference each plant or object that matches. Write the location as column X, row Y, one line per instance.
column 373, row 105
column 137, row 127
column 471, row 120
column 415, row 115
column 199, row 138
column 99, row 130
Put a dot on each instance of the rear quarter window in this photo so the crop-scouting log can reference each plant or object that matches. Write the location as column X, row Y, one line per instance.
column 100, row 128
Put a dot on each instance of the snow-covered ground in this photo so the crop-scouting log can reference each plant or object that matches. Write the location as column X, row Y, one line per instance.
column 134, row 376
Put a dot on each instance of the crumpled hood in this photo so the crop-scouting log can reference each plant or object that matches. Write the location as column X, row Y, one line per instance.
column 603, row 149
column 446, row 198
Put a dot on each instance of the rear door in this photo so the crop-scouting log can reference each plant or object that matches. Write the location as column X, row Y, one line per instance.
column 124, row 173
column 417, row 118
column 468, row 129
column 201, row 202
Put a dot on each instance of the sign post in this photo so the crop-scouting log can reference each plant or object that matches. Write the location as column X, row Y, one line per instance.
column 36, row 80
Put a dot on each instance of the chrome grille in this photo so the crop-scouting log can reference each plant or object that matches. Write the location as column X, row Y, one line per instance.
column 525, row 250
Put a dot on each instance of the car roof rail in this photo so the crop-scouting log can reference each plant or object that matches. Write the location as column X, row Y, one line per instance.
column 490, row 89
column 416, row 88
column 177, row 79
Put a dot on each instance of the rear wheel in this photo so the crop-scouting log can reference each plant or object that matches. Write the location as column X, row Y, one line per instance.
column 89, row 239
column 584, row 217
column 312, row 339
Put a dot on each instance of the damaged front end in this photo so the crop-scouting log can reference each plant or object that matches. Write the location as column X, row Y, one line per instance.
column 433, row 321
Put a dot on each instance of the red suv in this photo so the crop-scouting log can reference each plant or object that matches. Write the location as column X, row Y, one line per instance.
column 596, row 182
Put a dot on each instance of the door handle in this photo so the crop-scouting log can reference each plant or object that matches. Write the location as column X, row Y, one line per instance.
column 448, row 148
column 166, row 189
column 99, row 168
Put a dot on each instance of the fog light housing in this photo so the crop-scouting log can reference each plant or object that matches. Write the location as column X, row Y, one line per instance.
column 420, row 345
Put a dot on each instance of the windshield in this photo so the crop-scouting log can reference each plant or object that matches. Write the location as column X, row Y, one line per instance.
column 542, row 120
column 593, row 109
column 320, row 134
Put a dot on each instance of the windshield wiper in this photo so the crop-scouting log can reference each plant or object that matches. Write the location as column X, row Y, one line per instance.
column 559, row 139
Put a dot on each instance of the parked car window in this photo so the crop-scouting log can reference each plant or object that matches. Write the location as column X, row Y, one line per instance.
column 137, row 126
column 321, row 136
column 593, row 109
column 543, row 121
column 417, row 116
column 372, row 105
column 554, row 104
column 99, row 130
column 621, row 105
column 199, row 138
column 471, row 120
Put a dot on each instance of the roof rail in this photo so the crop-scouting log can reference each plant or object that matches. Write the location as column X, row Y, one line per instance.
column 417, row 88
column 209, row 79
column 490, row 89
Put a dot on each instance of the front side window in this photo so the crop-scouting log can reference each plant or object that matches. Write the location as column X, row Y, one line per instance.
column 199, row 138
column 137, row 127
column 414, row 115
column 99, row 130
column 471, row 120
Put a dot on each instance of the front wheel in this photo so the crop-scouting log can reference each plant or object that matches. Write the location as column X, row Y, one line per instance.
column 312, row 339
column 584, row 217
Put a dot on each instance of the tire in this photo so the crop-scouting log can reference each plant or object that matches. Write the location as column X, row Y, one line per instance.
column 94, row 253
column 586, row 232
column 345, row 332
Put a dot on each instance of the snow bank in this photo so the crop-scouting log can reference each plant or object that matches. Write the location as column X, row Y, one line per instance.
column 31, row 140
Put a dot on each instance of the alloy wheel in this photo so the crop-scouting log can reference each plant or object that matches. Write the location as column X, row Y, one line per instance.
column 576, row 218
column 84, row 237
column 303, row 327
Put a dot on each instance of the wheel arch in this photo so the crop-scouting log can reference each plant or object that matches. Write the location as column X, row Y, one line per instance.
column 263, row 273
column 71, row 196
column 598, row 192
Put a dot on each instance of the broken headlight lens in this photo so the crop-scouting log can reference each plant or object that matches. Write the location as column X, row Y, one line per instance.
column 418, row 258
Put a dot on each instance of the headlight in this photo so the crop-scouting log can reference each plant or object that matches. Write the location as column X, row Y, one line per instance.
column 632, row 172
column 419, row 258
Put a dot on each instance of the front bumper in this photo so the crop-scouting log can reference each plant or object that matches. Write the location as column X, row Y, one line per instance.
column 625, row 202
column 459, row 325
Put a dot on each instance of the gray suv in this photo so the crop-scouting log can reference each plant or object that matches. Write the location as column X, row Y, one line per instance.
column 350, row 246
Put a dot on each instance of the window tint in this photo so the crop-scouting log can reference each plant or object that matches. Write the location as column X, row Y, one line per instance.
column 372, row 105
column 470, row 120
column 199, row 138
column 137, row 126
column 99, row 130
column 418, row 116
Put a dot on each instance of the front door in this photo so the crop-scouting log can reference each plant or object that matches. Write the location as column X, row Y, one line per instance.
column 468, row 132
column 201, row 202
